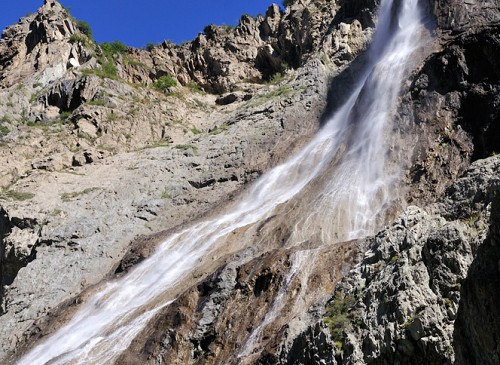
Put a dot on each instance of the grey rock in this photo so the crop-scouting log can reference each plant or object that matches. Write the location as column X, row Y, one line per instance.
column 410, row 286
column 476, row 333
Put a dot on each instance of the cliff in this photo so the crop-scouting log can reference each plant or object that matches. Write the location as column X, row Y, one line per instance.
column 100, row 163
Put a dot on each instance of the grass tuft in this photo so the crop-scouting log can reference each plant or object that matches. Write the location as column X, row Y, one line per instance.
column 15, row 195
column 66, row 197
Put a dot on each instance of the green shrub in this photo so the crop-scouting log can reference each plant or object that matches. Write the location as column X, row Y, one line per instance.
column 96, row 102
column 219, row 129
column 112, row 48
column 394, row 259
column 164, row 83
column 64, row 115
column 209, row 29
column 227, row 27
column 276, row 79
column 84, row 27
column 133, row 62
column 78, row 38
column 4, row 130
column 150, row 46
column 284, row 66
column 112, row 117
column 279, row 74
column 108, row 69
column 185, row 147
column 336, row 314
column 195, row 87
column 66, row 197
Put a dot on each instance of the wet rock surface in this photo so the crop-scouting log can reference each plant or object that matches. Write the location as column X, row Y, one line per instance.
column 405, row 302
column 205, row 324
column 451, row 111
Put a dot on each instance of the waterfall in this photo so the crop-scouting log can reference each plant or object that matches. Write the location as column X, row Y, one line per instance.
column 345, row 160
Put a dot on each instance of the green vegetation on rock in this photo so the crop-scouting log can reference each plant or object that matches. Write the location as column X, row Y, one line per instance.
column 78, row 38
column 66, row 197
column 164, row 83
column 96, row 102
column 4, row 130
column 84, row 27
column 112, row 48
column 108, row 70
column 195, row 87
column 185, row 147
column 15, row 195
column 336, row 315
column 166, row 195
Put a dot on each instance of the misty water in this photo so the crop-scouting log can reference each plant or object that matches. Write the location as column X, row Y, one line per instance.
column 348, row 155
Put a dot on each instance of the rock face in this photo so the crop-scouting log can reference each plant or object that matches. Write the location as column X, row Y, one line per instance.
column 452, row 108
column 40, row 44
column 222, row 58
column 476, row 332
column 410, row 283
column 406, row 295
column 93, row 163
column 458, row 16
column 412, row 297
column 149, row 190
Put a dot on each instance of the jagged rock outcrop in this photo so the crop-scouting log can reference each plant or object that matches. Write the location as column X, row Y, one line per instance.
column 79, row 111
column 39, row 45
column 463, row 16
column 452, row 109
column 222, row 58
column 205, row 324
column 409, row 296
column 140, row 191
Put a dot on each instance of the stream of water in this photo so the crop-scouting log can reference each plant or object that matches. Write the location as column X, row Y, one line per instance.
column 350, row 147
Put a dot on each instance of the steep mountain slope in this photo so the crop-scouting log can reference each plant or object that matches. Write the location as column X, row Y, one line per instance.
column 81, row 141
column 95, row 156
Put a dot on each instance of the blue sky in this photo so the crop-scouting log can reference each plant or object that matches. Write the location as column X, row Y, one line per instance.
column 136, row 23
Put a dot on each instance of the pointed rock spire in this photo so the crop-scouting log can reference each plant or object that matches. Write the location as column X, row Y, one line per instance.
column 40, row 45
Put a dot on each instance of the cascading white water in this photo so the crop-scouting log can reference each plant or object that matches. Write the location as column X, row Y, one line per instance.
column 350, row 147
